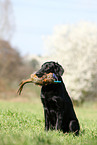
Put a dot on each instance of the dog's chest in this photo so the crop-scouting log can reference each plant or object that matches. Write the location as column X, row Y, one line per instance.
column 51, row 97
column 52, row 102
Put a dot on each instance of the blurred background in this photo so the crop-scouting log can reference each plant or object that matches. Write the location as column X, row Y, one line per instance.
column 33, row 32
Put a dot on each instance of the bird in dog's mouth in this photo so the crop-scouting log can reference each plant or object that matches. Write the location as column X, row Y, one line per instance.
column 44, row 80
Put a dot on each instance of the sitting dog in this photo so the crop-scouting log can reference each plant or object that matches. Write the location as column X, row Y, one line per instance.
column 58, row 108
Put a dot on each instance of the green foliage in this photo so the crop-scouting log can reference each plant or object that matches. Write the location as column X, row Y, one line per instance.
column 23, row 124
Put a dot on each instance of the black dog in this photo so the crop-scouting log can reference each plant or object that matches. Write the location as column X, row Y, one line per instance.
column 58, row 108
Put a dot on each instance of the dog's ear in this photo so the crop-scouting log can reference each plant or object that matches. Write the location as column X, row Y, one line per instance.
column 59, row 69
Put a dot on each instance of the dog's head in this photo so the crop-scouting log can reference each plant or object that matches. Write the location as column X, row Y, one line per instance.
column 50, row 67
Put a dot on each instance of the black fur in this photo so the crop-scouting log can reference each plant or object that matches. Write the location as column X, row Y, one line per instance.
column 58, row 109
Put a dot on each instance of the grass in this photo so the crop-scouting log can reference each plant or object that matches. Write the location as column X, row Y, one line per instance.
column 23, row 124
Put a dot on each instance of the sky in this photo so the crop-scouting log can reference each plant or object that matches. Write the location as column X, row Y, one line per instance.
column 37, row 18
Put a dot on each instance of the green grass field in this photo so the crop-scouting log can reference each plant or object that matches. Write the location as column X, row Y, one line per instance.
column 23, row 124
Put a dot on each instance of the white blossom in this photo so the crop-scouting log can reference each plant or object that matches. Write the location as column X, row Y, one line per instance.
column 75, row 48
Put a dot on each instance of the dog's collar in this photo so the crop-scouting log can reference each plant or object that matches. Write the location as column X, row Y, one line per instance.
column 57, row 81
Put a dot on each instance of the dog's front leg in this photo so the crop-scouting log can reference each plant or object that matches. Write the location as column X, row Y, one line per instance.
column 58, row 121
column 56, row 128
column 46, row 119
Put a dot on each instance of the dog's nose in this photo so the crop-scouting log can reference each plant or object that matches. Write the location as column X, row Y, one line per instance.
column 39, row 74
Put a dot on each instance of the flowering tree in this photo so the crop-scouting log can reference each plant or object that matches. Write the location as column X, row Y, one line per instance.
column 75, row 47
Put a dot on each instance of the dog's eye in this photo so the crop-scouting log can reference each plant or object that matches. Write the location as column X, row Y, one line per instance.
column 47, row 66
